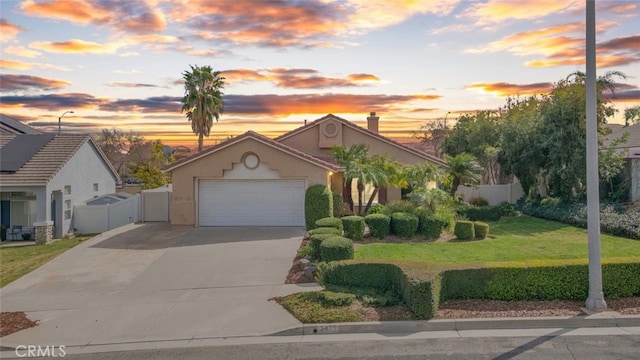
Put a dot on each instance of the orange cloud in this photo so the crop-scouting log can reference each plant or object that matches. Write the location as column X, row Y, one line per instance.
column 8, row 30
column 497, row 11
column 134, row 17
column 21, row 51
column 76, row 46
column 507, row 89
column 15, row 65
column 297, row 78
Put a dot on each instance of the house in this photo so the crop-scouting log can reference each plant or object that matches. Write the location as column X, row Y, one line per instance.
column 11, row 126
column 43, row 176
column 631, row 151
column 255, row 180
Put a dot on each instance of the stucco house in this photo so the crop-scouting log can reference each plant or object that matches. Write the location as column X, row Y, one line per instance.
column 631, row 151
column 42, row 178
column 255, row 180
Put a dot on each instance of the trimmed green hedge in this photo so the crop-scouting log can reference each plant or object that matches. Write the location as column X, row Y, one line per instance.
column 331, row 222
column 353, row 227
column 315, row 240
column 325, row 230
column 336, row 248
column 569, row 282
column 318, row 204
column 481, row 229
column 430, row 226
column 404, row 224
column 481, row 213
column 464, row 230
column 379, row 225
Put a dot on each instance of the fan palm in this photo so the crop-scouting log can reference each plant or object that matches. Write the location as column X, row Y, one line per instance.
column 464, row 169
column 350, row 157
column 202, row 101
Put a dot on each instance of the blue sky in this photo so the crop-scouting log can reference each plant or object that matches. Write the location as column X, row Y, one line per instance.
column 118, row 63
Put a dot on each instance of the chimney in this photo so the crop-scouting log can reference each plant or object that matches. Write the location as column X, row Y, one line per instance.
column 372, row 122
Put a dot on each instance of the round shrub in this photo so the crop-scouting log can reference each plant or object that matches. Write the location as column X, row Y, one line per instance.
column 379, row 225
column 315, row 240
column 481, row 229
column 331, row 222
column 325, row 230
column 404, row 224
column 430, row 226
column 353, row 227
column 318, row 204
column 336, row 248
column 464, row 230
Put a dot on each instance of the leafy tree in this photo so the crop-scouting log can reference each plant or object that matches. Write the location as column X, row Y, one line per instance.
column 202, row 101
column 149, row 172
column 464, row 169
column 349, row 157
column 433, row 134
column 379, row 171
column 122, row 149
column 631, row 115
column 611, row 162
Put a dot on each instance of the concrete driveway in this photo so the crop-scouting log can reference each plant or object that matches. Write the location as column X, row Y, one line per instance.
column 155, row 282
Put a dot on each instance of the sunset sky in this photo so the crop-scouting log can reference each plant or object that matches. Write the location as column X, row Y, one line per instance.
column 119, row 63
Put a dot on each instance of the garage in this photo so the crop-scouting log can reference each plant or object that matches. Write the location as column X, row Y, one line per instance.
column 251, row 202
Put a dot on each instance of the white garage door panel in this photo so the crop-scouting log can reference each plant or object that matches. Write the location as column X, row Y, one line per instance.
column 251, row 202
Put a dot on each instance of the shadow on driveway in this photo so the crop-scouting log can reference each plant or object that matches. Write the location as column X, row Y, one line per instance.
column 153, row 236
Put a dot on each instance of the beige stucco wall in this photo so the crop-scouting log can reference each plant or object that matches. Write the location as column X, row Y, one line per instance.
column 213, row 166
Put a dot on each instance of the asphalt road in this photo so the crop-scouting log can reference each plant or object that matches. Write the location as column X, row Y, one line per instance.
column 551, row 346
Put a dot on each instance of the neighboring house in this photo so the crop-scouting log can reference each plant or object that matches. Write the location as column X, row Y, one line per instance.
column 255, row 180
column 631, row 150
column 43, row 176
column 11, row 126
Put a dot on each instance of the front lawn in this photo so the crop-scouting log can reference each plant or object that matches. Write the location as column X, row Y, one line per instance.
column 517, row 241
column 18, row 261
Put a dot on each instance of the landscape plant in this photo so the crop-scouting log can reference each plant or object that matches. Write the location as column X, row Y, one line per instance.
column 404, row 224
column 379, row 225
column 353, row 227
column 318, row 204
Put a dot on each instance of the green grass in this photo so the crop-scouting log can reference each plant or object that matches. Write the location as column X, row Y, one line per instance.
column 518, row 241
column 18, row 261
column 309, row 310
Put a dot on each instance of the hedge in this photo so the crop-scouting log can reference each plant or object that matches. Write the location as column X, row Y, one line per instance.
column 315, row 240
column 481, row 229
column 379, row 225
column 336, row 248
column 570, row 282
column 481, row 213
column 325, row 230
column 318, row 204
column 404, row 224
column 464, row 230
column 331, row 222
column 353, row 227
column 430, row 227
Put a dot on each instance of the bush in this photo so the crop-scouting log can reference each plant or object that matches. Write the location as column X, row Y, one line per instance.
column 398, row 206
column 481, row 213
column 368, row 296
column 330, row 222
column 404, row 224
column 481, row 229
column 353, row 227
column 336, row 248
column 464, row 230
column 338, row 205
column 306, row 250
column 507, row 210
column 334, row 299
column 318, row 204
column 325, row 230
column 478, row 201
column 315, row 241
column 430, row 226
column 379, row 225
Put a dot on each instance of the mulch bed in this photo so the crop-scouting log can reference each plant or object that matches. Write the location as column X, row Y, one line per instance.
column 11, row 322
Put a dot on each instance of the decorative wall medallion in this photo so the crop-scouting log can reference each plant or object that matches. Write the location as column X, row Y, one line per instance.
column 250, row 160
column 330, row 129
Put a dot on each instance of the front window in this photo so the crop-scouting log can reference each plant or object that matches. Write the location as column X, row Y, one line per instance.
column 368, row 190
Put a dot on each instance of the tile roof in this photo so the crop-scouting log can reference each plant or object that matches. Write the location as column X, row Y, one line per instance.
column 353, row 126
column 261, row 138
column 632, row 141
column 10, row 125
column 50, row 159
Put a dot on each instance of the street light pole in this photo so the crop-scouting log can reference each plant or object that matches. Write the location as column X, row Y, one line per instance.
column 595, row 300
column 60, row 118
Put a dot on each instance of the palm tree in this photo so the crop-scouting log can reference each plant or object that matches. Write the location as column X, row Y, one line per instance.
column 202, row 99
column 378, row 171
column 464, row 169
column 349, row 157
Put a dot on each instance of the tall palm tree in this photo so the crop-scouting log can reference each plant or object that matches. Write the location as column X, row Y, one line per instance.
column 349, row 157
column 202, row 101
column 464, row 169
column 379, row 171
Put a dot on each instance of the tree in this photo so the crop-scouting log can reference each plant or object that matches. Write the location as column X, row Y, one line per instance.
column 464, row 169
column 202, row 101
column 631, row 115
column 122, row 149
column 349, row 157
column 611, row 162
column 433, row 135
column 149, row 172
column 378, row 171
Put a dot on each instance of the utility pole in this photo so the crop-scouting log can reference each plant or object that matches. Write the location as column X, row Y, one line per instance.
column 595, row 301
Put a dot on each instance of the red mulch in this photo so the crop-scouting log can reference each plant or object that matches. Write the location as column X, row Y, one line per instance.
column 11, row 322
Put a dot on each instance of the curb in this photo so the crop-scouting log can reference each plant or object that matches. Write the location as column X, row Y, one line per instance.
column 607, row 319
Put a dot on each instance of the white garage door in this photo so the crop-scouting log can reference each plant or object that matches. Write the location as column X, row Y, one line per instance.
column 251, row 202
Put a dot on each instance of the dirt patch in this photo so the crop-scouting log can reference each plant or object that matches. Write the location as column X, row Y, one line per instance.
column 11, row 322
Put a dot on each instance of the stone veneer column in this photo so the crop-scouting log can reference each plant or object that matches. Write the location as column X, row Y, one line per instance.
column 44, row 232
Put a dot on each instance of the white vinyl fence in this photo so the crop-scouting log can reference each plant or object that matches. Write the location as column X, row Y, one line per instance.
column 156, row 203
column 495, row 194
column 91, row 219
